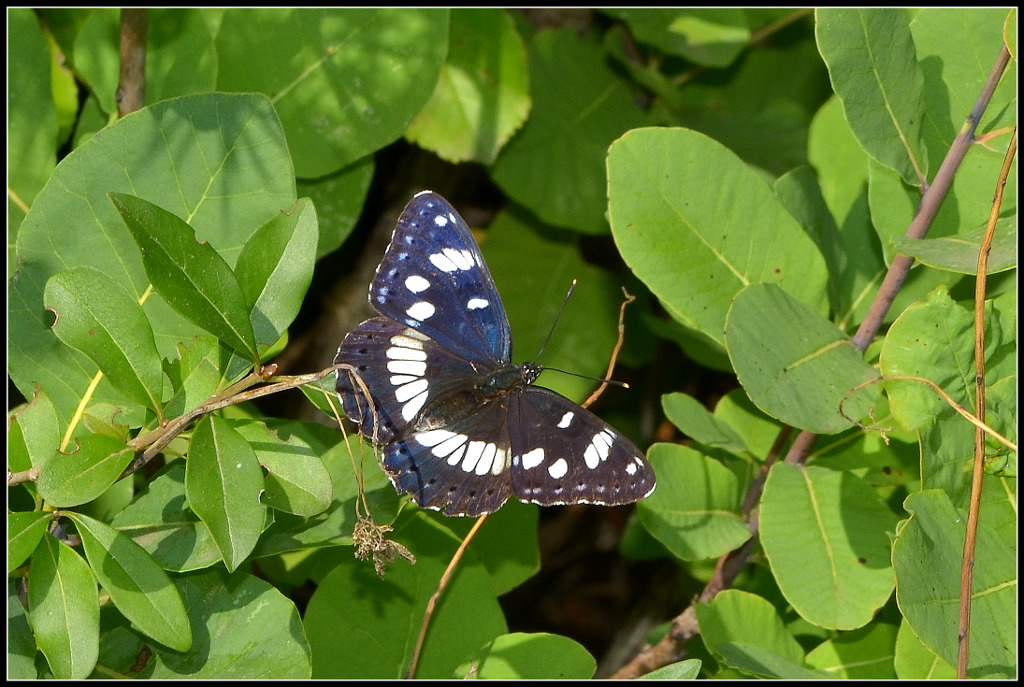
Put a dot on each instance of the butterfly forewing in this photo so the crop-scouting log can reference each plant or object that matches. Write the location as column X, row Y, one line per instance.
column 563, row 453
column 434, row 279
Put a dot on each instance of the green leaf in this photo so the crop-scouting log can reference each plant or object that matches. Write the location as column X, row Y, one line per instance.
column 218, row 159
column 955, row 73
column 708, row 36
column 694, row 245
column 865, row 654
column 507, row 546
column 555, row 165
column 339, row 200
column 933, row 340
column 297, row 481
column 914, row 660
column 739, row 618
column 927, row 556
column 223, row 483
column 33, row 435
column 379, row 628
column 483, row 96
column 873, row 67
column 687, row 669
column 960, row 253
column 103, row 320
column 244, row 629
column 530, row 656
column 31, row 119
column 24, row 530
column 805, row 370
column 825, row 534
column 21, row 644
column 351, row 81
column 694, row 510
column 138, row 587
column 275, row 267
column 193, row 278
column 159, row 521
column 71, row 479
column 64, row 609
column 693, row 420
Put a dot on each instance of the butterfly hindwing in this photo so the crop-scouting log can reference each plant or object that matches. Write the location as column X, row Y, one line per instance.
column 462, row 469
column 434, row 279
column 563, row 453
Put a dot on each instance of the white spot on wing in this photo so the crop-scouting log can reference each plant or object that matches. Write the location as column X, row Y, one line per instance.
column 566, row 420
column 473, row 453
column 407, row 391
column 433, row 437
column 420, row 311
column 410, row 409
column 477, row 303
column 500, row 462
column 441, row 221
column 406, row 341
column 558, row 469
column 443, row 263
column 455, row 457
column 487, row 459
column 407, row 367
column 533, row 458
column 448, row 446
column 401, row 353
column 416, row 283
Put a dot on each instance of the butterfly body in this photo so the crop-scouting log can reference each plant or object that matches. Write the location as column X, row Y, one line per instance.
column 462, row 427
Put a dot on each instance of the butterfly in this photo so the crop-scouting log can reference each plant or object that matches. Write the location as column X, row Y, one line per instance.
column 462, row 427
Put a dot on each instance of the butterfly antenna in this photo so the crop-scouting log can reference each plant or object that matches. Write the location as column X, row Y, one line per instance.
column 572, row 287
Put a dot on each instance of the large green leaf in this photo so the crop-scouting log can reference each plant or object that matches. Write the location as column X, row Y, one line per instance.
column 102, row 320
column 346, row 81
column 927, row 557
column 555, row 165
column 223, row 482
column 796, row 365
column 63, row 608
column 483, row 95
column 191, row 276
column 219, row 161
column 696, row 225
column 874, row 71
column 360, row 626
column 138, row 587
column 694, row 511
column 826, row 535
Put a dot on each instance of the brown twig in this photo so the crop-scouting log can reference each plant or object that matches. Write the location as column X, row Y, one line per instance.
column 432, row 604
column 131, row 87
column 978, row 473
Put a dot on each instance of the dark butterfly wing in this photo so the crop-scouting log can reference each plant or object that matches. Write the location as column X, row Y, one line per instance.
column 461, row 469
column 401, row 368
column 434, row 280
column 563, row 453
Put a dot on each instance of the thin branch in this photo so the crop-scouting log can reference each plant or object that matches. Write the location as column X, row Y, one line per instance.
column 432, row 604
column 131, row 88
column 978, row 474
